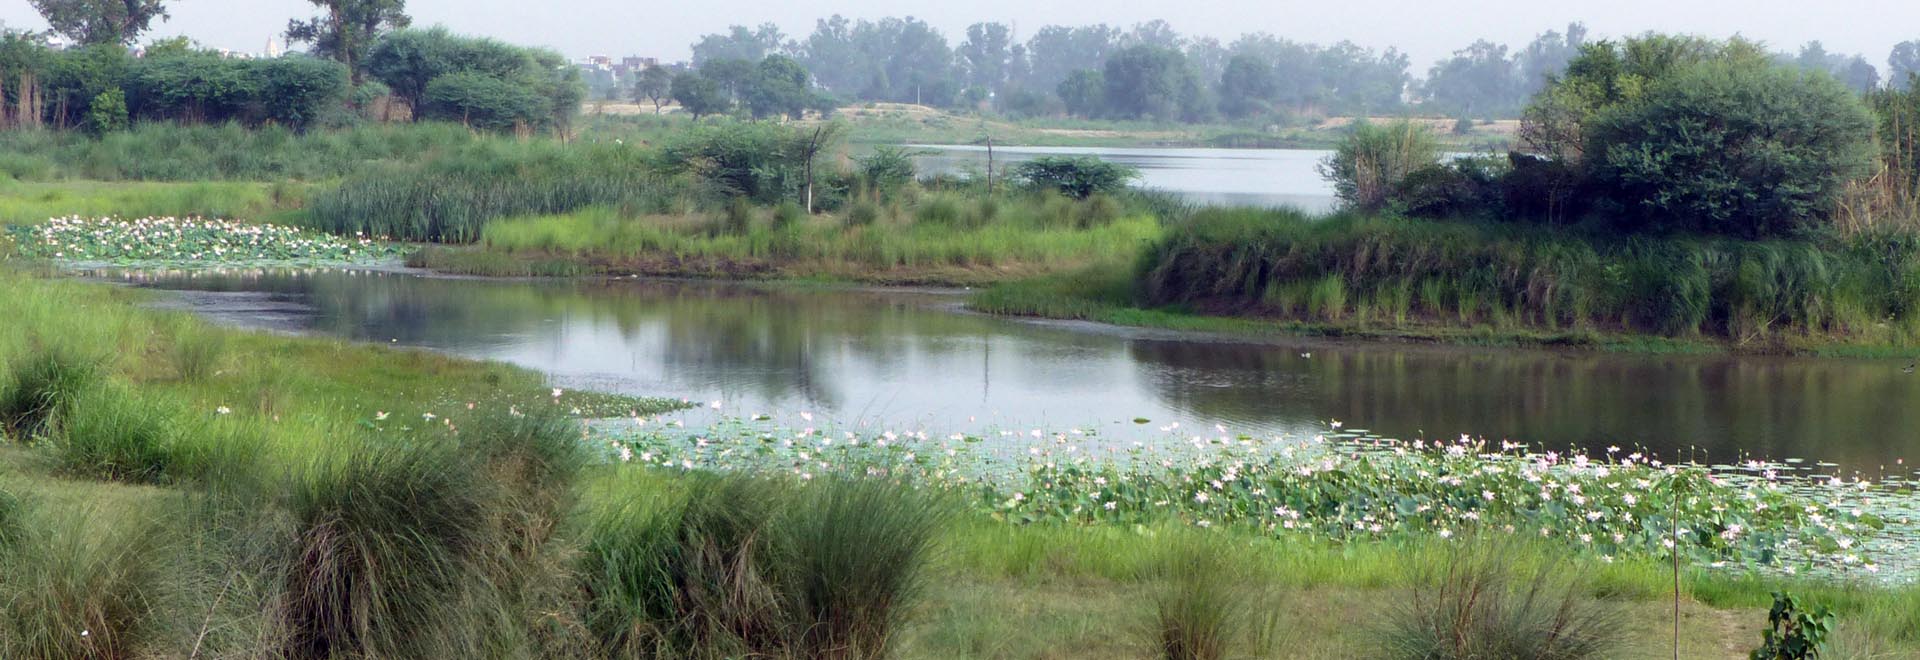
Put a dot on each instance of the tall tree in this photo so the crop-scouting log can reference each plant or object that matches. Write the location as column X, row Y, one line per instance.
column 1247, row 86
column 1478, row 81
column 348, row 29
column 1548, row 55
column 739, row 43
column 654, row 83
column 1056, row 52
column 1150, row 81
column 987, row 54
column 699, row 95
column 1904, row 62
column 90, row 22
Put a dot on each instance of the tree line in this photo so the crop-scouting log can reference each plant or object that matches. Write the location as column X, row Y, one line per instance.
column 361, row 55
column 1150, row 71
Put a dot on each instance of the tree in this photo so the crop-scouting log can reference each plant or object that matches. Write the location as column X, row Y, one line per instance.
column 986, row 54
column 408, row 60
column 348, row 29
column 1548, row 55
column 1478, row 81
column 1149, row 81
column 117, row 22
column 1731, row 147
column 483, row 102
column 1056, row 52
column 699, row 95
column 732, row 75
column 1084, row 93
column 1904, row 62
column 779, row 86
column 655, row 84
column 1247, row 86
column 739, row 43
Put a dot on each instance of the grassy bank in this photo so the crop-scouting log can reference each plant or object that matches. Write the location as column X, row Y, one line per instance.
column 931, row 238
column 177, row 490
column 27, row 203
column 1393, row 278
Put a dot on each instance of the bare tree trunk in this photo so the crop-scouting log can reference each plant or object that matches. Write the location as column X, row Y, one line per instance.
column 813, row 147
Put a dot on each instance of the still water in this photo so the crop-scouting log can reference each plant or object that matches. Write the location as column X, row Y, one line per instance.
column 1229, row 177
column 908, row 360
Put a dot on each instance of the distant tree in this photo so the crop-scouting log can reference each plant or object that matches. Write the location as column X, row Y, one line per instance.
column 1149, row 81
column 1853, row 71
column 732, row 75
column 1084, row 92
column 1548, row 55
column 655, row 83
column 1904, row 62
column 699, row 95
column 739, row 43
column 1247, row 87
column 1055, row 52
column 1478, row 81
column 348, row 29
column 170, row 47
column 1606, row 75
column 987, row 55
column 117, row 22
column 779, row 86
column 1157, row 33
column 1208, row 57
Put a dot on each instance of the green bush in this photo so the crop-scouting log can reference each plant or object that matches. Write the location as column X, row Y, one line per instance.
column 107, row 113
column 1078, row 177
column 1731, row 148
column 41, row 389
column 483, row 101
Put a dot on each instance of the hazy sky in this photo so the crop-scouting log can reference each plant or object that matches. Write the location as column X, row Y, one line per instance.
column 1426, row 29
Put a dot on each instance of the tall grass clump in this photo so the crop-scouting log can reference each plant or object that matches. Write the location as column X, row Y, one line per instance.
column 40, row 388
column 379, row 545
column 1383, row 271
column 197, row 351
column 1372, row 159
column 79, row 584
column 1206, row 600
column 734, row 565
column 120, row 433
column 1477, row 603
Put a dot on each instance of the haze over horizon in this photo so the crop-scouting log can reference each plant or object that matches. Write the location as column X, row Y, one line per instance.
column 1426, row 31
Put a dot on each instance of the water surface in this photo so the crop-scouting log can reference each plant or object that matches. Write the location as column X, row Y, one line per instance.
column 912, row 360
column 1227, row 177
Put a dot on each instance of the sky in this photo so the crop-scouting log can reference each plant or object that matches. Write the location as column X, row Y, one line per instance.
column 1428, row 30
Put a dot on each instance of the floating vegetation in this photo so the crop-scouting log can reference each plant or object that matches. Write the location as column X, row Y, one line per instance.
column 190, row 242
column 1623, row 503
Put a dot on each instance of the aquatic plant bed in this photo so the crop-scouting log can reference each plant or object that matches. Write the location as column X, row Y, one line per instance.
column 1338, row 487
column 190, row 243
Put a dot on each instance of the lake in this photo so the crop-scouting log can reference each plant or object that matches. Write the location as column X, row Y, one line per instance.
column 1231, row 177
column 914, row 360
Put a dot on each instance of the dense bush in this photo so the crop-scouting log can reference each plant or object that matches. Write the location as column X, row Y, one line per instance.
column 760, row 161
column 205, row 88
column 1731, row 149
column 481, row 101
column 477, row 81
column 1078, row 177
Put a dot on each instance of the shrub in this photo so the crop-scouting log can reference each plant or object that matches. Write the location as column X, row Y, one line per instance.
column 41, row 389
column 739, row 565
column 1371, row 160
column 1204, row 602
column 107, row 113
column 1477, row 605
column 483, row 101
column 1731, row 148
column 1078, row 177
column 887, row 168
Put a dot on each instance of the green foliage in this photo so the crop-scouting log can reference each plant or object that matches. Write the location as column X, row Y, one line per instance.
column 1731, row 149
column 1205, row 603
column 778, row 87
column 80, row 583
column 1794, row 631
column 1372, row 159
column 197, row 88
column 1085, row 93
column 107, row 113
column 699, row 95
column 116, row 23
column 1477, row 604
column 1152, row 82
column 482, row 101
column 886, row 169
column 40, row 389
column 1078, row 177
column 761, row 161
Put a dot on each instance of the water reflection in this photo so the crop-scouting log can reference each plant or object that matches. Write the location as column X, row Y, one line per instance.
column 906, row 359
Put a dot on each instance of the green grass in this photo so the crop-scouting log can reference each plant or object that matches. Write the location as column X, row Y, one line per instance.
column 173, row 152
column 26, row 203
column 1246, row 271
column 936, row 238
